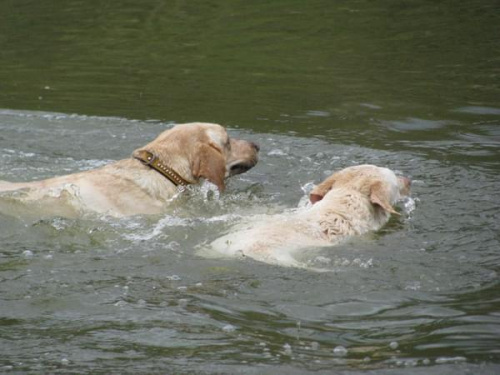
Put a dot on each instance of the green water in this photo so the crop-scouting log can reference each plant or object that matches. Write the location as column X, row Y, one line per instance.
column 239, row 62
column 413, row 85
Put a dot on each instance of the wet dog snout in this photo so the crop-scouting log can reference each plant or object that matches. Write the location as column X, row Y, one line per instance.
column 404, row 185
column 406, row 182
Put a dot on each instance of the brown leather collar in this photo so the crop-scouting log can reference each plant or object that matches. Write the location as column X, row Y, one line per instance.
column 152, row 161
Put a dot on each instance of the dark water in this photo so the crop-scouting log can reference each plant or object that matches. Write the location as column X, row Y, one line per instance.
column 321, row 85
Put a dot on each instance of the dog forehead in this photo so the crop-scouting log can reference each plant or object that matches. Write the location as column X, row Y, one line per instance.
column 356, row 172
column 201, row 131
column 216, row 134
column 389, row 176
column 365, row 175
column 373, row 171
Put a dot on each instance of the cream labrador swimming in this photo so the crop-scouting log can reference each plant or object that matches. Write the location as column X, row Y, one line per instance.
column 143, row 183
column 351, row 202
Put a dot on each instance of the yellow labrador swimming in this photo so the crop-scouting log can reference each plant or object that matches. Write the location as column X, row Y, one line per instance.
column 143, row 183
column 351, row 202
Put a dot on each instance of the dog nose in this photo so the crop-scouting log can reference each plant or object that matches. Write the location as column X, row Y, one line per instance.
column 255, row 146
column 406, row 181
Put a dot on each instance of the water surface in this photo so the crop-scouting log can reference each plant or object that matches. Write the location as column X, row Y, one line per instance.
column 320, row 86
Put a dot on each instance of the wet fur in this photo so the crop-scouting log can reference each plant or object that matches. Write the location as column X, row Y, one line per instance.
column 127, row 187
column 351, row 202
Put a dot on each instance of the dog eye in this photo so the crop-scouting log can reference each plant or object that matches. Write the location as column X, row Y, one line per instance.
column 216, row 147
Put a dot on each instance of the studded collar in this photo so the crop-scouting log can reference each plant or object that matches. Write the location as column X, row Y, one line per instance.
column 152, row 161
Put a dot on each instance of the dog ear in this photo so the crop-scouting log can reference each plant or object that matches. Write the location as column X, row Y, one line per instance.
column 140, row 153
column 319, row 192
column 378, row 196
column 210, row 164
column 314, row 198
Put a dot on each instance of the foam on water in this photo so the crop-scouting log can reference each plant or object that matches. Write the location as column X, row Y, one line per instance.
column 157, row 230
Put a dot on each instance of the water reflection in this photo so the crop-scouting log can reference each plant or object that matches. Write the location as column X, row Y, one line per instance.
column 234, row 63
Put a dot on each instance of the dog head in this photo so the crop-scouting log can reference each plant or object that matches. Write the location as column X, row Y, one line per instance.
column 203, row 150
column 380, row 185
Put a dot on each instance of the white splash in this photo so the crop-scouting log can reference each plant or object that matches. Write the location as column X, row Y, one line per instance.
column 158, row 229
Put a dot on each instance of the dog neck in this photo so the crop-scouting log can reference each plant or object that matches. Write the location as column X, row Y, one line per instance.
column 152, row 161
